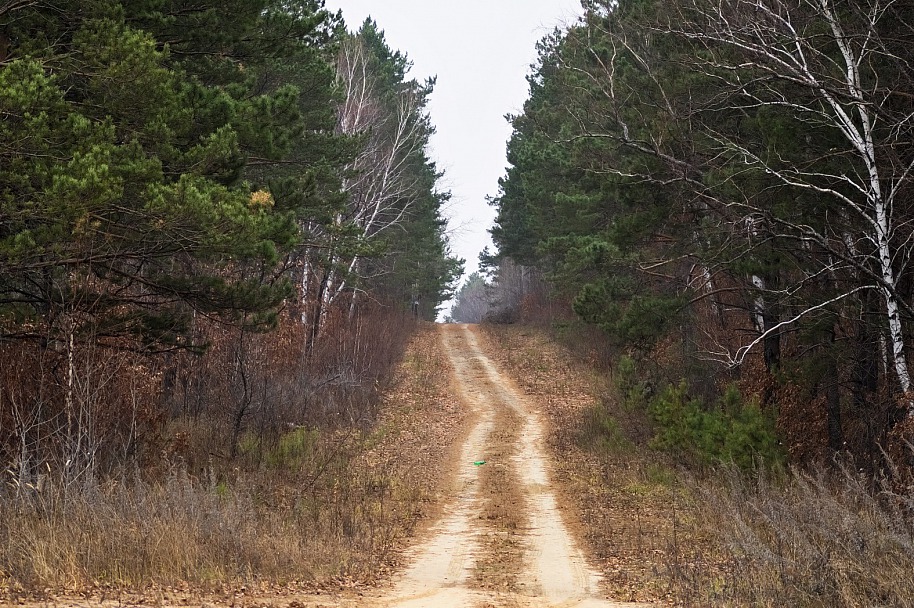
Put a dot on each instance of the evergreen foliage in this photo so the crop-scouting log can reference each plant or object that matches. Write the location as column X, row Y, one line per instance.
column 163, row 158
column 730, row 431
column 725, row 188
column 176, row 181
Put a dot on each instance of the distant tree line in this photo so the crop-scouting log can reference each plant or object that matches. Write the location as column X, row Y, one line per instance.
column 471, row 302
column 725, row 189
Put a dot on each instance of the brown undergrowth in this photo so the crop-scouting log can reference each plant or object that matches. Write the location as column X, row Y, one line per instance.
column 324, row 508
column 720, row 536
column 834, row 538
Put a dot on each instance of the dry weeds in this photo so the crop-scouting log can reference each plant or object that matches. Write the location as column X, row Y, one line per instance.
column 501, row 561
column 624, row 505
column 831, row 538
column 339, row 519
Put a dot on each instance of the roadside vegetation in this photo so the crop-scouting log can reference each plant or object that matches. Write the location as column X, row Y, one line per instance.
column 219, row 229
column 319, row 506
column 677, row 523
column 710, row 204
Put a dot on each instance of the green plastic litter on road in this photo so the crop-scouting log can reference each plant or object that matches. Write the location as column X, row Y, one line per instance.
column 479, row 463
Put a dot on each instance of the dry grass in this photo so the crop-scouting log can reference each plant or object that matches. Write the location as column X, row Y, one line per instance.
column 500, row 562
column 826, row 539
column 331, row 507
column 276, row 525
column 727, row 538
column 623, row 500
column 182, row 531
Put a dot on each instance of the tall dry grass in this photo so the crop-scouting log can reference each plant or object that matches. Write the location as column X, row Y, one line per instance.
column 830, row 535
column 831, row 538
column 256, row 464
column 272, row 525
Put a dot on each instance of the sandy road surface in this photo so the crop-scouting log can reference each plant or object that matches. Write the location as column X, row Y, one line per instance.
column 446, row 570
column 554, row 571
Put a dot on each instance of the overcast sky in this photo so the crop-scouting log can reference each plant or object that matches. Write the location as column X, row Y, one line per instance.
column 481, row 52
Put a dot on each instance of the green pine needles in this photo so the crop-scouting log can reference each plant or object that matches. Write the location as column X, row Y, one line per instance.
column 731, row 430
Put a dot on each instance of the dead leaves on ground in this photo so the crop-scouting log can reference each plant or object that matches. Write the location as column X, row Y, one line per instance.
column 627, row 523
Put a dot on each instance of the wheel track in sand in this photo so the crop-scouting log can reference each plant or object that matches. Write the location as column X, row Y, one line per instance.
column 443, row 570
column 554, row 570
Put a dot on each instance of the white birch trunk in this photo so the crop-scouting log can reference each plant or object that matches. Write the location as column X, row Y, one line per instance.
column 898, row 351
column 758, row 306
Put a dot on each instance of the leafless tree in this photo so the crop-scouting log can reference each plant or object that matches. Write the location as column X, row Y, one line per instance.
column 381, row 182
column 10, row 6
column 833, row 52
column 472, row 301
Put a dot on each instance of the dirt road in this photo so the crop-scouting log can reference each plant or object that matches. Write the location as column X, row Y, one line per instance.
column 500, row 542
column 546, row 567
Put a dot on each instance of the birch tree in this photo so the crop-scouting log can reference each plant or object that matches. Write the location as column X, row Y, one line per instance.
column 834, row 68
column 387, row 181
column 691, row 85
column 384, row 183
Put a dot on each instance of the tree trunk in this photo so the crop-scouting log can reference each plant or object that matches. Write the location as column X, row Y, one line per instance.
column 766, row 316
column 246, row 399
column 833, row 398
column 318, row 316
column 897, row 344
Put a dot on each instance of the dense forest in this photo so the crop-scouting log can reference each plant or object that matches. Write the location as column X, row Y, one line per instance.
column 724, row 190
column 206, row 213
column 221, row 229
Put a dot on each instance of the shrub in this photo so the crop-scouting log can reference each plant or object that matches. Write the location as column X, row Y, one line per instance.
column 633, row 389
column 827, row 537
column 733, row 430
column 290, row 452
column 603, row 433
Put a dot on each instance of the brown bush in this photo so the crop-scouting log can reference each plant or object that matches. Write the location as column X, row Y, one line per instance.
column 809, row 539
column 206, row 533
column 253, row 388
column 75, row 412
column 244, row 460
column 315, row 503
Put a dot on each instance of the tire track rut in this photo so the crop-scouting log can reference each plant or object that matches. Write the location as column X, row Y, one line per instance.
column 553, row 571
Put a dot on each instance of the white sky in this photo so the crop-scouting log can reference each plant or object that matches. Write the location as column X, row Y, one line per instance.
column 481, row 52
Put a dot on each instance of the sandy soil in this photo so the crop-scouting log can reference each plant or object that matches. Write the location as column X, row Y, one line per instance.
column 555, row 572
column 445, row 570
